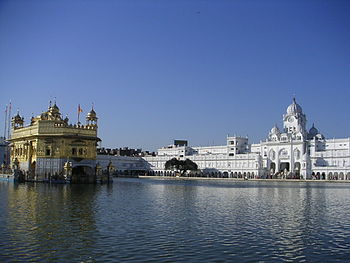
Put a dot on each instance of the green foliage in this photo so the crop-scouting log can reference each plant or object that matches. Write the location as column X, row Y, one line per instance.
column 171, row 164
column 175, row 164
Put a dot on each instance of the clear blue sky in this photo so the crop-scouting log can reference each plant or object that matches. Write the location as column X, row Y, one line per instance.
column 163, row 70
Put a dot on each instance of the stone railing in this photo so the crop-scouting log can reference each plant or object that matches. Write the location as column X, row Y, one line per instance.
column 5, row 170
column 75, row 126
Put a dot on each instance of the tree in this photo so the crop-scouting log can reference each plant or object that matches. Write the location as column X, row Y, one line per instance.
column 179, row 165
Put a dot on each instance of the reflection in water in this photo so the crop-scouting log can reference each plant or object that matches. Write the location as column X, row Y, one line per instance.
column 176, row 220
column 43, row 220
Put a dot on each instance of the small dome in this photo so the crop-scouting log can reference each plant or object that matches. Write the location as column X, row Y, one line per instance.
column 294, row 108
column 54, row 109
column 313, row 131
column 17, row 117
column 66, row 119
column 275, row 130
column 92, row 114
column 91, row 117
column 319, row 136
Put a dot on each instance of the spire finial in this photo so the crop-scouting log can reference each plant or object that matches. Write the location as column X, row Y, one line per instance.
column 50, row 104
column 92, row 107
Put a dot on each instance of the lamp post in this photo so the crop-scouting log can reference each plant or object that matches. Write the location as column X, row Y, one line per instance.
column 98, row 171
column 110, row 170
column 68, row 168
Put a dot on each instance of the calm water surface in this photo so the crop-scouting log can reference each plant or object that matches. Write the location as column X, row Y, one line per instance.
column 149, row 220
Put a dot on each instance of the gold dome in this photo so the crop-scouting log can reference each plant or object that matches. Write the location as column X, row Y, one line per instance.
column 54, row 109
column 92, row 114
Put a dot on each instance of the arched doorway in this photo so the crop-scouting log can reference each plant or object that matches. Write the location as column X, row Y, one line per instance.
column 297, row 169
column 318, row 175
column 272, row 168
column 330, row 176
column 83, row 174
column 335, row 176
column 284, row 166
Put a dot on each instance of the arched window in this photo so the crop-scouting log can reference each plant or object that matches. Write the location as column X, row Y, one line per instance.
column 296, row 154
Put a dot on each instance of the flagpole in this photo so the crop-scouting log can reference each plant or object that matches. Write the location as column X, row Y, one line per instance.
column 8, row 158
column 5, row 128
column 9, row 122
column 79, row 111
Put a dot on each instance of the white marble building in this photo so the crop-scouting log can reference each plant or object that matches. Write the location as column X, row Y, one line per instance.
column 291, row 152
column 122, row 163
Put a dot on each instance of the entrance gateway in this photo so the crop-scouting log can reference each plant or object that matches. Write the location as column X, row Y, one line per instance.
column 284, row 166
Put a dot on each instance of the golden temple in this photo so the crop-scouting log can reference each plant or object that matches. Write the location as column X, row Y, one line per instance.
column 50, row 148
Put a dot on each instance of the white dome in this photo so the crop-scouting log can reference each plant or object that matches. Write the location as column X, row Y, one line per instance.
column 294, row 108
column 275, row 130
column 319, row 136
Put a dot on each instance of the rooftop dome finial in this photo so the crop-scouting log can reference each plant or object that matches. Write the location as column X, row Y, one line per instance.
column 294, row 108
column 313, row 132
column 275, row 130
column 91, row 116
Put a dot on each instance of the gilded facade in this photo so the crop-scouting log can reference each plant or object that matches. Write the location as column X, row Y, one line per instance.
column 49, row 144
